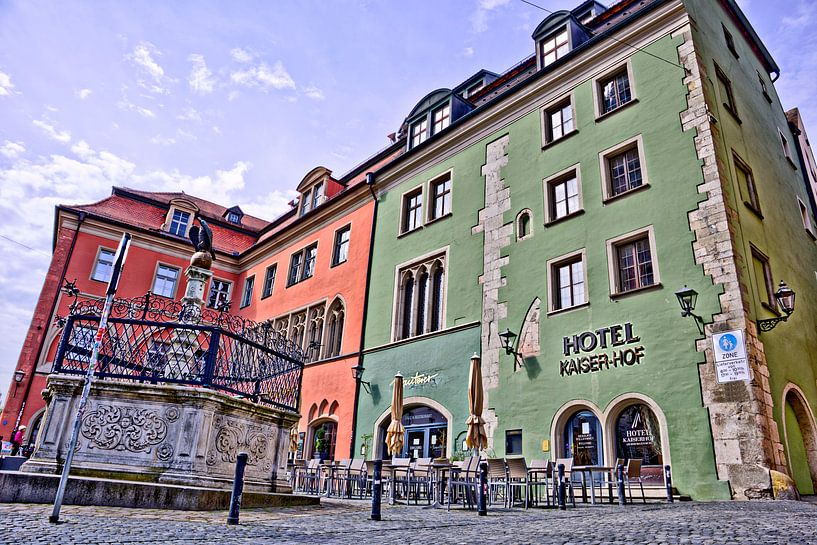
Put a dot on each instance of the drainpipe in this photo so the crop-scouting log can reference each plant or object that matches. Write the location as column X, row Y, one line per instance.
column 82, row 215
column 370, row 181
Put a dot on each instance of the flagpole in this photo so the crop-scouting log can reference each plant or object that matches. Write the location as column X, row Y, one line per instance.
column 119, row 261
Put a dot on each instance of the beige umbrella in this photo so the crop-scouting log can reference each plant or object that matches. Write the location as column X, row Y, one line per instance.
column 476, row 438
column 293, row 439
column 394, row 435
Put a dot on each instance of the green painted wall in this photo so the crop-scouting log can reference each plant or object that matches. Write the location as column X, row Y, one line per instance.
column 791, row 349
column 797, row 450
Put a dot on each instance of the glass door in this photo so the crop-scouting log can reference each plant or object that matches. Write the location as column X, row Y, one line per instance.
column 583, row 439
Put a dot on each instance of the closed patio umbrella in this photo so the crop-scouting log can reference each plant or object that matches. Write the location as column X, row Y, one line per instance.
column 476, row 437
column 394, row 435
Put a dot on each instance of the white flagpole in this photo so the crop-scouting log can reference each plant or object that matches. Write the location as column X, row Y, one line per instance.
column 119, row 261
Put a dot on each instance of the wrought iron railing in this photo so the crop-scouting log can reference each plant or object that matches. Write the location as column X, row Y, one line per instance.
column 230, row 354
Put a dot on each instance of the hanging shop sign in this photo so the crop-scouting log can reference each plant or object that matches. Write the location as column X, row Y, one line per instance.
column 731, row 362
column 585, row 347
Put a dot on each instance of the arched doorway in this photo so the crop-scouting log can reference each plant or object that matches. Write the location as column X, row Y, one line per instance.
column 426, row 433
column 801, row 441
column 582, row 439
column 637, row 436
column 323, row 437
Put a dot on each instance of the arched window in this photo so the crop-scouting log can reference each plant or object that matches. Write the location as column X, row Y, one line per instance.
column 313, row 347
column 298, row 330
column 638, row 435
column 407, row 299
column 324, row 435
column 523, row 224
column 334, row 321
column 425, row 435
column 437, row 297
column 422, row 302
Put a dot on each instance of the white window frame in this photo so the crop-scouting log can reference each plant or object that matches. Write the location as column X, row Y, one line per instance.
column 430, row 192
column 96, row 263
column 301, row 272
column 424, row 128
column 518, row 223
column 247, row 291
column 545, row 119
column 612, row 260
column 190, row 219
column 552, row 264
column 426, row 260
column 805, row 216
column 210, row 291
column 547, row 184
column 336, row 245
column 552, row 37
column 606, row 183
column 784, row 142
column 402, row 229
column 598, row 96
column 446, row 119
column 159, row 265
column 273, row 267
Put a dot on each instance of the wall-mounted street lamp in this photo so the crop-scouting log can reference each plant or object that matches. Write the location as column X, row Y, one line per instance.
column 18, row 378
column 785, row 301
column 357, row 374
column 687, row 297
column 508, row 344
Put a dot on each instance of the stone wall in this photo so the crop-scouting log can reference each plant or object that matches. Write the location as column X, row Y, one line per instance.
column 167, row 434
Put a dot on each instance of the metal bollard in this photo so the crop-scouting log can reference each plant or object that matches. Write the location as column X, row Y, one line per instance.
column 238, row 488
column 562, row 498
column 622, row 499
column 376, row 488
column 483, row 489
column 668, row 482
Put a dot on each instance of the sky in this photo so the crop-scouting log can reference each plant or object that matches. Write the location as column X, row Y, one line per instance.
column 236, row 101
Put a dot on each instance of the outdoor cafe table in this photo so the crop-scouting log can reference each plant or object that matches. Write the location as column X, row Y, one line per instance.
column 589, row 469
column 439, row 468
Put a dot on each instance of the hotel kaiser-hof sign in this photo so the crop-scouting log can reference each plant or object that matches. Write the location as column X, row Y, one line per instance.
column 600, row 350
column 731, row 362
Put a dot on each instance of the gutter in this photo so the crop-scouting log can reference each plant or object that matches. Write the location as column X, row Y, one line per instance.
column 370, row 181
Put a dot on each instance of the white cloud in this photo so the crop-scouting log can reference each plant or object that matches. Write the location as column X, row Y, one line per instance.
column 127, row 105
column 12, row 149
column 313, row 92
column 6, row 87
column 83, row 93
column 803, row 16
column 160, row 140
column 241, row 55
column 51, row 132
column 232, row 95
column 189, row 114
column 142, row 56
column 264, row 77
column 468, row 52
column 479, row 19
column 271, row 205
column 201, row 79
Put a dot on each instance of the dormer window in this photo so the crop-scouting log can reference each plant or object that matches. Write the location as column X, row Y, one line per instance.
column 554, row 47
column 441, row 118
column 179, row 223
column 317, row 195
column 474, row 89
column 419, row 132
column 234, row 215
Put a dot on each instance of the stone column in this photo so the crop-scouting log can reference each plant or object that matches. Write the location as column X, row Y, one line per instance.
column 184, row 343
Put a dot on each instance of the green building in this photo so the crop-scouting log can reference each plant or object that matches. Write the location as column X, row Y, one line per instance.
column 640, row 149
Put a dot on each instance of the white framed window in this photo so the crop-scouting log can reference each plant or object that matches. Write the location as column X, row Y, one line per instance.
column 246, row 295
column 554, row 47
column 412, row 210
column 558, row 120
column 563, row 194
column 419, row 305
column 474, row 89
column 302, row 264
column 165, row 280
column 269, row 280
column 234, row 217
column 524, row 224
column 440, row 189
column 318, row 194
column 623, row 169
column 306, row 202
column 340, row 252
column 567, row 282
column 786, row 148
column 179, row 222
column 805, row 215
column 614, row 89
column 103, row 267
column 632, row 262
column 441, row 118
column 746, row 183
column 419, row 132
column 219, row 295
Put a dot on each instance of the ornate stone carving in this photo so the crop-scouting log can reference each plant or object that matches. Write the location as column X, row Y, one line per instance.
column 133, row 429
column 164, row 452
column 232, row 437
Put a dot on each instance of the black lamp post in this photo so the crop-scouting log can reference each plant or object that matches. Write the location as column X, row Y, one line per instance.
column 785, row 301
column 687, row 297
column 507, row 337
column 18, row 378
column 357, row 374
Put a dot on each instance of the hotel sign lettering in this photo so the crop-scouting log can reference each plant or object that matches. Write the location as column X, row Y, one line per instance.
column 583, row 350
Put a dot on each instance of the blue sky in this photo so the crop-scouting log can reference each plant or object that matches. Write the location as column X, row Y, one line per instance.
column 236, row 101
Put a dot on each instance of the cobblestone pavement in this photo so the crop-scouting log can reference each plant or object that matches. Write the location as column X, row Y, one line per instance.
column 347, row 522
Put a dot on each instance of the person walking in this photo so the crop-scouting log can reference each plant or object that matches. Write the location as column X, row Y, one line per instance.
column 17, row 440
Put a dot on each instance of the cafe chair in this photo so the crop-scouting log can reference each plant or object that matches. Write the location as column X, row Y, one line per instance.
column 518, row 478
column 633, row 473
column 465, row 481
column 497, row 480
column 568, row 463
column 420, row 479
column 539, row 474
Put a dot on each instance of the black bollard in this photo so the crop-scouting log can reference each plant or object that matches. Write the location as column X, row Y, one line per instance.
column 238, row 487
column 668, row 482
column 622, row 499
column 376, row 488
column 562, row 498
column 483, row 489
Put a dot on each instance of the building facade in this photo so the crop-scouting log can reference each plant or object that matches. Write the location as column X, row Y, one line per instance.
column 640, row 149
